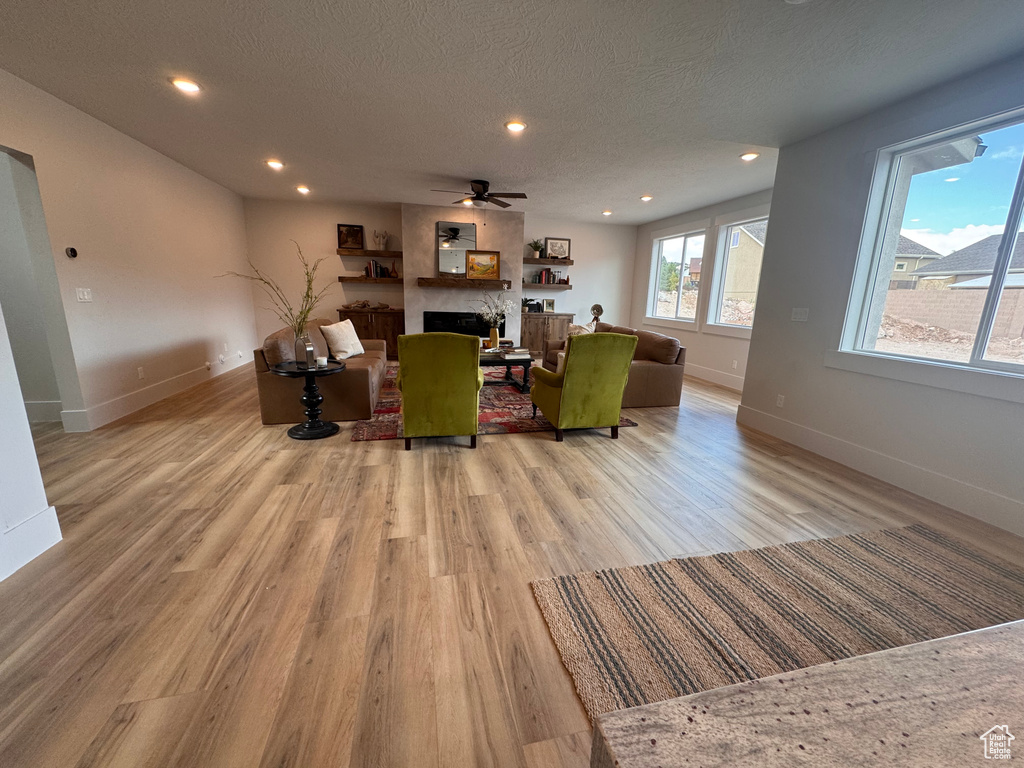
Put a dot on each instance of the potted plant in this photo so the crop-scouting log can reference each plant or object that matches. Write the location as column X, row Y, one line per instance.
column 530, row 305
column 493, row 313
column 537, row 247
column 292, row 316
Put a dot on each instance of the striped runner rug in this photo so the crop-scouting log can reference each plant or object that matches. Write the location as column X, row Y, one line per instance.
column 632, row 636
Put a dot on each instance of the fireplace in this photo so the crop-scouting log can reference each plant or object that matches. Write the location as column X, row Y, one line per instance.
column 468, row 323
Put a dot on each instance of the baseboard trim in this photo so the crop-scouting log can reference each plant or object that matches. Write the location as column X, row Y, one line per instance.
column 75, row 421
column 42, row 411
column 980, row 503
column 27, row 540
column 714, row 376
column 119, row 407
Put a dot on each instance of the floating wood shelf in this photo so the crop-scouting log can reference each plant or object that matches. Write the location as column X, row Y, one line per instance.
column 547, row 262
column 369, row 254
column 362, row 279
column 368, row 310
column 462, row 282
column 547, row 286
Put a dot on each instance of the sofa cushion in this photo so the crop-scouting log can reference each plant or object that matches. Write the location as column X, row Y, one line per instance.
column 616, row 329
column 656, row 347
column 581, row 330
column 342, row 339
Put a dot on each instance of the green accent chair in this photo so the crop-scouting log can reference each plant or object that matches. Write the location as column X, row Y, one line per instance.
column 440, row 378
column 588, row 391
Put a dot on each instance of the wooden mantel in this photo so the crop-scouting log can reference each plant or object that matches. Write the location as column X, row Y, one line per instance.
column 463, row 282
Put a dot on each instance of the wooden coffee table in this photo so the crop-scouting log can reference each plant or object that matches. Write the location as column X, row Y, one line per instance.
column 493, row 361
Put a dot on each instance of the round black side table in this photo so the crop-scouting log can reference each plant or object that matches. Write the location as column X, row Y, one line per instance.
column 313, row 428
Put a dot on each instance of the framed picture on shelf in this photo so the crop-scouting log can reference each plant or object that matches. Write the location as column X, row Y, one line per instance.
column 483, row 265
column 350, row 237
column 549, row 305
column 556, row 247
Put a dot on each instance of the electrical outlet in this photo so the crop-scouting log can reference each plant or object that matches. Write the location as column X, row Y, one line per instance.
column 734, row 364
column 225, row 346
column 780, row 401
column 142, row 373
column 221, row 358
column 84, row 294
column 799, row 315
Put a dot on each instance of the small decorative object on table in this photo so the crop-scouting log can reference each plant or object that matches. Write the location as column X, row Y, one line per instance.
column 537, row 247
column 596, row 311
column 380, row 240
column 556, row 247
column 549, row 305
column 483, row 265
column 493, row 313
column 294, row 318
column 350, row 236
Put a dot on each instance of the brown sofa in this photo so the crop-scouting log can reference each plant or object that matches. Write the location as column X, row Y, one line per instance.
column 349, row 395
column 656, row 373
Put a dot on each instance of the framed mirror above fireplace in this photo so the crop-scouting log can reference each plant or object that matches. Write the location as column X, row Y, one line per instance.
column 454, row 238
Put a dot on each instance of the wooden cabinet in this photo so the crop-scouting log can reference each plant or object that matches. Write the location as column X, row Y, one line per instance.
column 386, row 324
column 537, row 326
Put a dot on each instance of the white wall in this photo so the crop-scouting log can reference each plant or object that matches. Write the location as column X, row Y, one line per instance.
column 957, row 448
column 151, row 236
column 23, row 306
column 270, row 227
column 28, row 525
column 710, row 352
column 602, row 271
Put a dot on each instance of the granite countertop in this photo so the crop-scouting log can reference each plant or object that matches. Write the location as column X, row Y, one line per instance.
column 926, row 704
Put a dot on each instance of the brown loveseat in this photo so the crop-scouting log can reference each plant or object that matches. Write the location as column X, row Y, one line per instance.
column 656, row 373
column 349, row 395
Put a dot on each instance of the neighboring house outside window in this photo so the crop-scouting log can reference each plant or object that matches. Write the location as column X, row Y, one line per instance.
column 735, row 292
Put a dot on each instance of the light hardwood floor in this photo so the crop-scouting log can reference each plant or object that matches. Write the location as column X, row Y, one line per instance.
column 226, row 596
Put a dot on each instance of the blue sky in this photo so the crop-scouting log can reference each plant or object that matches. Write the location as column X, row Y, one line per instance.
column 953, row 207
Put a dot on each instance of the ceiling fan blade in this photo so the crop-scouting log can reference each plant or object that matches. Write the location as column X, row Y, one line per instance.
column 517, row 195
column 501, row 203
column 453, row 191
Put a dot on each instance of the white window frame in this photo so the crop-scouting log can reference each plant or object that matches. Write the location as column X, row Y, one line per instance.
column 688, row 229
column 900, row 266
column 721, row 265
column 851, row 355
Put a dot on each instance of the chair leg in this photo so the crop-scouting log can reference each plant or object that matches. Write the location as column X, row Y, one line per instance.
column 615, row 433
column 472, row 441
column 559, row 435
column 408, row 443
column 535, row 411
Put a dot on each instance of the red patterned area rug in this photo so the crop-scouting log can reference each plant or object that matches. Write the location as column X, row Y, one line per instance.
column 503, row 410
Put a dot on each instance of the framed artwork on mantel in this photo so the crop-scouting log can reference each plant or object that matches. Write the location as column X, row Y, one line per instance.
column 556, row 247
column 483, row 265
column 350, row 237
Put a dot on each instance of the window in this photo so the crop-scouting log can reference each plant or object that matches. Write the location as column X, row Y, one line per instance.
column 952, row 203
column 678, row 276
column 735, row 290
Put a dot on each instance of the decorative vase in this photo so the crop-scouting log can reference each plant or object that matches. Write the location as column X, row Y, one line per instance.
column 495, row 341
column 305, row 352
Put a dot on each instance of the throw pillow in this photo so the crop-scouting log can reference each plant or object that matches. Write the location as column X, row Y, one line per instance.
column 342, row 340
column 581, row 330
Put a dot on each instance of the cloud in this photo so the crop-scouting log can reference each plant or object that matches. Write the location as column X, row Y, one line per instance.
column 1010, row 153
column 947, row 242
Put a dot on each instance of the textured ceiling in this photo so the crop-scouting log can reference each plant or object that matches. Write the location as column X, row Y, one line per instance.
column 383, row 100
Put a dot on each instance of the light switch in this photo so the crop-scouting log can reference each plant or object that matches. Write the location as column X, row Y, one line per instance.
column 799, row 314
column 84, row 294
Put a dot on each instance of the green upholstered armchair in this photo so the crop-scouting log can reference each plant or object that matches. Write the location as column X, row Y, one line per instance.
column 588, row 391
column 440, row 378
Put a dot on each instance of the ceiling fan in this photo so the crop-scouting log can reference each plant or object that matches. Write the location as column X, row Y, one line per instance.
column 480, row 196
column 451, row 237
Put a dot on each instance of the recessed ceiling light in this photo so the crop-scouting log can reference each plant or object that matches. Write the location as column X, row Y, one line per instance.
column 515, row 126
column 277, row 165
column 646, row 198
column 953, row 178
column 186, row 86
column 748, row 156
column 606, row 213
column 303, row 190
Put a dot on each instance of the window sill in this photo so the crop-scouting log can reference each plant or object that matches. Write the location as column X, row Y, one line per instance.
column 997, row 385
column 733, row 331
column 667, row 322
